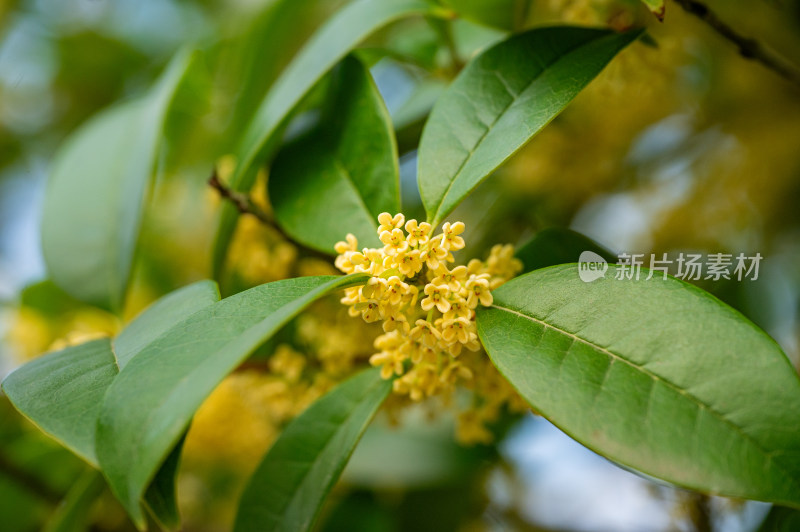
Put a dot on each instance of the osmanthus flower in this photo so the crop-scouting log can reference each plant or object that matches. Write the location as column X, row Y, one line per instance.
column 417, row 233
column 450, row 239
column 411, row 283
column 454, row 279
column 437, row 297
column 387, row 222
column 478, row 291
column 394, row 241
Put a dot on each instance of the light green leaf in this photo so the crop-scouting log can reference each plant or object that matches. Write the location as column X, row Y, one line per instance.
column 328, row 46
column 73, row 514
column 656, row 7
column 149, row 405
column 340, row 177
column 657, row 375
column 97, row 190
column 291, row 483
column 61, row 393
column 161, row 316
column 500, row 100
column 557, row 245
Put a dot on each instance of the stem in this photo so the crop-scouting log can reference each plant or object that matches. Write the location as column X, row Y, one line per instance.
column 240, row 201
column 245, row 206
column 748, row 48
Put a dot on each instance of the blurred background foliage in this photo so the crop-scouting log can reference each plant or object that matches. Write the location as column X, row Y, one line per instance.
column 681, row 145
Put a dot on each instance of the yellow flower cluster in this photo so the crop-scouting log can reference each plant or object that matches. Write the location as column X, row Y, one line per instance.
column 426, row 305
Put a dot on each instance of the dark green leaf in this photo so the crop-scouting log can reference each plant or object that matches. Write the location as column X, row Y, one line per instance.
column 291, row 483
column 500, row 100
column 149, row 405
column 557, row 245
column 340, row 177
column 97, row 190
column 657, row 375
column 326, row 48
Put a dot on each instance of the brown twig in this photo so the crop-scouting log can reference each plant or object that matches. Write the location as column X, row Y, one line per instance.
column 748, row 48
column 244, row 205
column 239, row 200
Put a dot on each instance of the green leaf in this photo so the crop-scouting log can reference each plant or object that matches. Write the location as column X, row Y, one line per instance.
column 499, row 101
column 161, row 316
column 149, row 405
column 326, row 48
column 61, row 393
column 73, row 514
column 281, row 27
column 340, row 177
column 96, row 193
column 291, row 483
column 656, row 7
column 557, row 245
column 657, row 375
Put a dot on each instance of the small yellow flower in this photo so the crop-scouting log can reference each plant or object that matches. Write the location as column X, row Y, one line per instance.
column 391, row 362
column 374, row 289
column 395, row 290
column 418, row 234
column 395, row 322
column 450, row 238
column 478, row 291
column 437, row 296
column 458, row 309
column 425, row 333
column 452, row 279
column 388, row 222
column 456, row 330
column 370, row 310
column 410, row 263
column 394, row 242
column 436, row 253
column 350, row 244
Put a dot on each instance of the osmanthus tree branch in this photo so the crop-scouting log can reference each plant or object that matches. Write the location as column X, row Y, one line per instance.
column 240, row 201
column 245, row 205
column 748, row 48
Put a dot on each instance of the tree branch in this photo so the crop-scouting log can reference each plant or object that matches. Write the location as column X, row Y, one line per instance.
column 245, row 206
column 239, row 200
column 748, row 48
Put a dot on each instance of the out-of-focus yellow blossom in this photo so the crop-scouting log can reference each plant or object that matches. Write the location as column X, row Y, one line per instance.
column 29, row 334
column 85, row 325
column 427, row 309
